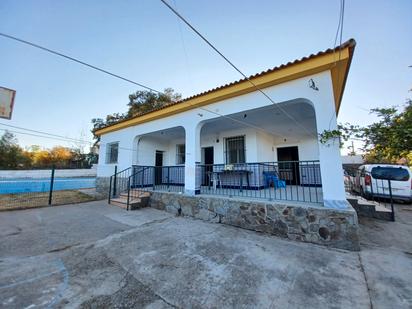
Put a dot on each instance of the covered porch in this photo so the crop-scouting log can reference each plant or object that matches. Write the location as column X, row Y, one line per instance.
column 254, row 154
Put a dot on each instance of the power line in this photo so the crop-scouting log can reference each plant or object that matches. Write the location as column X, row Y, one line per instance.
column 76, row 60
column 47, row 133
column 232, row 64
column 338, row 30
column 25, row 133
column 101, row 70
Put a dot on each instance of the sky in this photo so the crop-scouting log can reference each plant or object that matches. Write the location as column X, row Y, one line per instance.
column 143, row 41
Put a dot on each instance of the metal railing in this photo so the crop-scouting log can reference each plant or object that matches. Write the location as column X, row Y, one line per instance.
column 119, row 182
column 133, row 181
column 283, row 180
column 160, row 178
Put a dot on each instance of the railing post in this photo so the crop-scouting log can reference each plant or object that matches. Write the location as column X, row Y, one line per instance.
column 128, row 193
column 110, row 189
column 115, row 181
column 51, row 185
column 168, row 178
column 143, row 171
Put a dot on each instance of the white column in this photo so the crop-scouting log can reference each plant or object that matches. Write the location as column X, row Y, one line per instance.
column 192, row 184
column 333, row 188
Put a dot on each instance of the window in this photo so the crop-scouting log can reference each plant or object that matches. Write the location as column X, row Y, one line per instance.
column 180, row 154
column 394, row 173
column 112, row 152
column 235, row 149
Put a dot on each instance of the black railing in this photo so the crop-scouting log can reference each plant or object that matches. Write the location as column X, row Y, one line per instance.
column 283, row 180
column 119, row 182
column 160, row 178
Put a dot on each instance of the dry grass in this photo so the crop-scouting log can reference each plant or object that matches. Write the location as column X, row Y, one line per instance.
column 40, row 199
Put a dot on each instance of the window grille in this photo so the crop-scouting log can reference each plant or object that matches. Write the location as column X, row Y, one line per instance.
column 180, row 154
column 112, row 152
column 235, row 150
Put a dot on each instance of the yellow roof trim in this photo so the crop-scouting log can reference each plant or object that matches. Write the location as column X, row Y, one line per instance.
column 328, row 60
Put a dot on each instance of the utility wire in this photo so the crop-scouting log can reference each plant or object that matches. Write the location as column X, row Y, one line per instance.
column 107, row 72
column 48, row 134
column 232, row 64
column 339, row 33
column 138, row 84
column 76, row 60
column 31, row 134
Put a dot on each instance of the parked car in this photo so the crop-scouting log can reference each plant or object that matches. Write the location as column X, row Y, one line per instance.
column 367, row 181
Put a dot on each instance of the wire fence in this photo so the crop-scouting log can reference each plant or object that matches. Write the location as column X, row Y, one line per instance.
column 48, row 187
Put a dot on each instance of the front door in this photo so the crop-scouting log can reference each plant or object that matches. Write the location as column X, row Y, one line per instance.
column 208, row 156
column 288, row 158
column 158, row 167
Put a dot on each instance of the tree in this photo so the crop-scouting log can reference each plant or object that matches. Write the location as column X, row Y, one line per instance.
column 11, row 155
column 145, row 101
column 389, row 140
column 140, row 102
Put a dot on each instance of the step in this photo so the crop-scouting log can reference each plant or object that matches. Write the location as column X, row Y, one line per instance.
column 369, row 209
column 134, row 203
column 136, row 194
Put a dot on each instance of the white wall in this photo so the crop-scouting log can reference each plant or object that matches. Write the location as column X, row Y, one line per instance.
column 209, row 140
column 147, row 147
column 47, row 173
column 191, row 120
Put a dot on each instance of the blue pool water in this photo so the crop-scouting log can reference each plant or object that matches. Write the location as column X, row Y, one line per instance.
column 43, row 184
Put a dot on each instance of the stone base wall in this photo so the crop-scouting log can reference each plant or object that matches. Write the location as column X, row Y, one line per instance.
column 331, row 227
column 102, row 186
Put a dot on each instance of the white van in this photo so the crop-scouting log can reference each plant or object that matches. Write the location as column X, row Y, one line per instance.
column 366, row 181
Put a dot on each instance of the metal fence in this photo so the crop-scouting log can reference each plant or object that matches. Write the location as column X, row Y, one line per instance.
column 35, row 188
column 283, row 180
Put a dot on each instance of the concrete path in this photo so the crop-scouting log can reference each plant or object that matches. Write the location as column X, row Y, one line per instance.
column 98, row 256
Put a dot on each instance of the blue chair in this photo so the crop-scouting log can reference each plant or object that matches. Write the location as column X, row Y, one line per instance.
column 272, row 177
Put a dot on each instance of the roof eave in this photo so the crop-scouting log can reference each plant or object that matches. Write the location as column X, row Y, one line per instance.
column 313, row 64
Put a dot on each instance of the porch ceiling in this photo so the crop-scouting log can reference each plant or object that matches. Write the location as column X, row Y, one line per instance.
column 167, row 134
column 270, row 120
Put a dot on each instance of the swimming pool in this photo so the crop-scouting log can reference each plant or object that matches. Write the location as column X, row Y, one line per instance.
column 20, row 185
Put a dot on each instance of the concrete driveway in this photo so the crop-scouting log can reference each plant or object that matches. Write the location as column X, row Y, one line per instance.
column 97, row 256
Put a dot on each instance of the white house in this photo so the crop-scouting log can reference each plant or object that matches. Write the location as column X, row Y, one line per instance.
column 234, row 141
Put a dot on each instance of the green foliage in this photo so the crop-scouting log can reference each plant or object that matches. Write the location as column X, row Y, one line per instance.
column 11, row 155
column 140, row 102
column 389, row 140
column 145, row 101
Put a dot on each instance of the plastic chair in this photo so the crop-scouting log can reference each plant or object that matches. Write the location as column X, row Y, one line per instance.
column 272, row 177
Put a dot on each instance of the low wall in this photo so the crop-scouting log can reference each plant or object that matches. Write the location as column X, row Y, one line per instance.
column 319, row 225
column 11, row 174
column 102, row 186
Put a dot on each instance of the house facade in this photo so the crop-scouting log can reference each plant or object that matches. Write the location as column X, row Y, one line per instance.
column 255, row 138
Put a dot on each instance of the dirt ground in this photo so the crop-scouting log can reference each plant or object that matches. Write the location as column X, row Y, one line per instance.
column 41, row 199
column 93, row 255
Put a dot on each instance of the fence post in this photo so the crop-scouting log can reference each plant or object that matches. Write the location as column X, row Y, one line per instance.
column 51, row 185
column 115, row 180
column 110, row 189
column 390, row 193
